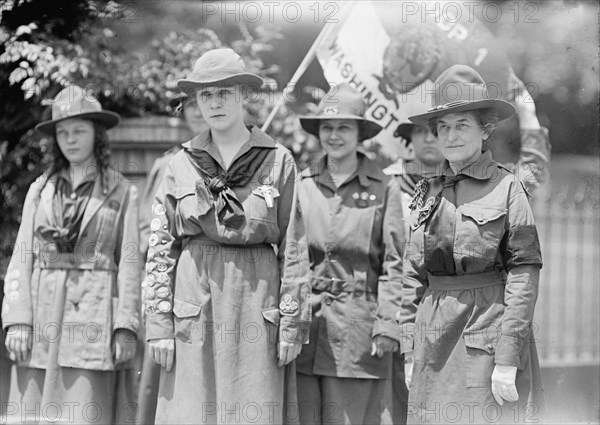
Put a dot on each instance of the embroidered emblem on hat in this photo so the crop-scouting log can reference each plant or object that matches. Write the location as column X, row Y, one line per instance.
column 162, row 278
column 153, row 240
column 330, row 110
column 155, row 224
column 288, row 305
column 164, row 306
column 162, row 267
column 162, row 292
column 159, row 209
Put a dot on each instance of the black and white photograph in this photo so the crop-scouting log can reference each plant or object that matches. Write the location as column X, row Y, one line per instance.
column 303, row 212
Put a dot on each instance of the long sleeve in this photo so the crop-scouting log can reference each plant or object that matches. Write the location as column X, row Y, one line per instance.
column 389, row 290
column 17, row 307
column 522, row 259
column 128, row 275
column 163, row 253
column 295, row 289
column 414, row 284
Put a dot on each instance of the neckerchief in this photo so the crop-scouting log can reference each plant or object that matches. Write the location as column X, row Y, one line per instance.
column 68, row 207
column 219, row 182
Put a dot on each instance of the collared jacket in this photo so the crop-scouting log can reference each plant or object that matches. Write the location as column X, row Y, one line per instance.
column 101, row 276
column 470, row 280
column 176, row 221
column 355, row 236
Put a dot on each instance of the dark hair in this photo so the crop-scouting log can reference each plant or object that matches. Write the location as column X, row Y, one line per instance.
column 58, row 161
column 487, row 118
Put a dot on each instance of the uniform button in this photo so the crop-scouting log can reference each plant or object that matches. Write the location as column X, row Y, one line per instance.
column 328, row 300
column 73, row 196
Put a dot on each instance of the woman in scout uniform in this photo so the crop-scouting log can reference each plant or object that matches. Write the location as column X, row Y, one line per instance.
column 71, row 310
column 227, row 288
column 471, row 271
column 353, row 217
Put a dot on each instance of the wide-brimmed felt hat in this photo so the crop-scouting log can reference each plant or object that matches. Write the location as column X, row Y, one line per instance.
column 74, row 102
column 219, row 66
column 404, row 131
column 460, row 89
column 341, row 102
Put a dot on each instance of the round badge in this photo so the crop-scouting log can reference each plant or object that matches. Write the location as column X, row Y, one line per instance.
column 355, row 195
column 150, row 308
column 164, row 306
column 150, row 253
column 162, row 267
column 148, row 294
column 150, row 266
column 155, row 224
column 162, row 278
column 14, row 285
column 159, row 209
column 153, row 240
column 144, row 283
column 151, row 280
column 364, row 196
column 162, row 292
column 372, row 197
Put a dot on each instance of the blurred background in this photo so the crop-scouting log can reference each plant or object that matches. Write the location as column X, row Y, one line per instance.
column 130, row 55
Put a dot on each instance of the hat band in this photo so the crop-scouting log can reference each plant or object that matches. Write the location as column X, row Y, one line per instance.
column 449, row 105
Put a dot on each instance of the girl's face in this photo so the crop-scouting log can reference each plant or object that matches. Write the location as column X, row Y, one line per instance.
column 461, row 137
column 426, row 145
column 75, row 138
column 222, row 106
column 339, row 137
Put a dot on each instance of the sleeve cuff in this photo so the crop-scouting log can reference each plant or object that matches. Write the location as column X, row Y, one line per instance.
column 159, row 325
column 388, row 328
column 294, row 330
column 508, row 351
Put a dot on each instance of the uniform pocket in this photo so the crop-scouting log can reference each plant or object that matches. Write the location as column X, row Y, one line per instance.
column 479, row 230
column 260, row 211
column 187, row 315
column 272, row 319
column 480, row 359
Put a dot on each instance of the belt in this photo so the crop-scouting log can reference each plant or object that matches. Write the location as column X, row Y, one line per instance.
column 68, row 260
column 464, row 282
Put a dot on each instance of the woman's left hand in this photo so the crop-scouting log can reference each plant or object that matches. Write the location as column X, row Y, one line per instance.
column 124, row 345
column 503, row 384
column 383, row 344
column 287, row 352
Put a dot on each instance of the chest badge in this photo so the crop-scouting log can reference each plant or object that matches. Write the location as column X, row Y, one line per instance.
column 361, row 200
column 268, row 193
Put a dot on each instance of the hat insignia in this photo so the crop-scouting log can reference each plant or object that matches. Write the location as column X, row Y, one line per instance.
column 330, row 110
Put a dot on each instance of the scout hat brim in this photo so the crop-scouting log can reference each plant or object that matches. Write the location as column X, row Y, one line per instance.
column 504, row 109
column 109, row 119
column 310, row 123
column 196, row 82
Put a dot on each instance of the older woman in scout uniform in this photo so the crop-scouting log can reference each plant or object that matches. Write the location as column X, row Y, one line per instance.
column 471, row 271
column 227, row 287
column 353, row 217
column 71, row 309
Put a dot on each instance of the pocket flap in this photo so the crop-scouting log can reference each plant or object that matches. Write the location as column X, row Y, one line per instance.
column 183, row 191
column 271, row 315
column 481, row 340
column 183, row 308
column 481, row 214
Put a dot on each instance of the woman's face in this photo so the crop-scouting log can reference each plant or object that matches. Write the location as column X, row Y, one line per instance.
column 339, row 138
column 461, row 137
column 426, row 146
column 222, row 106
column 75, row 138
column 193, row 117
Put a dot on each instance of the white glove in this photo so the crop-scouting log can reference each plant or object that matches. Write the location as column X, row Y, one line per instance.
column 503, row 384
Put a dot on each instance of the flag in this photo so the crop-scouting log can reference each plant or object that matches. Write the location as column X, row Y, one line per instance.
column 393, row 53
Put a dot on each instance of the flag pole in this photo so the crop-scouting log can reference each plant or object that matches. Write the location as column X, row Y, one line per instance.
column 310, row 55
